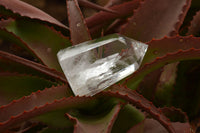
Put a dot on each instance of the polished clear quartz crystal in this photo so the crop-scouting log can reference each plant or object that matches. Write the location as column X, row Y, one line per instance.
column 92, row 66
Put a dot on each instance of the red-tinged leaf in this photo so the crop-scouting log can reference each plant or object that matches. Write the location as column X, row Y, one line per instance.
column 114, row 27
column 27, row 126
column 12, row 38
column 158, row 48
column 190, row 54
column 186, row 89
column 35, row 105
column 46, row 43
column 148, row 85
column 140, row 102
column 155, row 19
column 78, row 29
column 182, row 127
column 123, row 10
column 14, row 85
column 114, row 2
column 91, row 125
column 168, row 76
column 127, row 118
column 195, row 25
column 89, row 4
column 174, row 114
column 35, row 100
column 139, row 128
column 55, row 119
column 14, row 8
column 164, row 90
column 159, row 81
column 159, row 85
column 169, row 45
column 21, row 65
column 57, row 130
column 152, row 126
column 162, row 52
column 101, row 2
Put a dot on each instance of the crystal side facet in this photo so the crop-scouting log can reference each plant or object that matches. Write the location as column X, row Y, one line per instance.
column 92, row 66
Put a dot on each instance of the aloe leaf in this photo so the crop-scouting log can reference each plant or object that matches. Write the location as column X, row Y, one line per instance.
column 148, row 86
column 24, row 66
column 152, row 126
column 89, row 4
column 46, row 43
column 191, row 54
column 139, row 128
column 36, row 104
column 56, row 130
column 177, row 49
column 110, row 3
column 28, row 127
column 84, row 124
column 123, row 10
column 175, row 114
column 152, row 84
column 147, row 23
column 17, row 8
column 99, row 20
column 14, row 85
column 12, row 38
column 161, row 93
column 166, row 81
column 165, row 18
column 161, row 47
column 194, row 26
column 78, row 29
column 70, row 102
column 140, row 102
column 186, row 88
column 55, row 119
column 127, row 117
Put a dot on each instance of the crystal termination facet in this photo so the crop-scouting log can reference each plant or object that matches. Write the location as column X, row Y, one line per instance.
column 92, row 66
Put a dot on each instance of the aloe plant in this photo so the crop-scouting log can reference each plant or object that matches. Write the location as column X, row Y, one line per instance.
column 161, row 96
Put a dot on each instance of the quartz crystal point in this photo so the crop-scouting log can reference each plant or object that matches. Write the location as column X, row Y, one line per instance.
column 92, row 66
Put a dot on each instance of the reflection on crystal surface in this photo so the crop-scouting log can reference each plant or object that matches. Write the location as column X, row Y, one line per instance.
column 95, row 65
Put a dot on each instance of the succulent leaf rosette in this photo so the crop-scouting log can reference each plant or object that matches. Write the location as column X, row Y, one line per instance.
column 161, row 96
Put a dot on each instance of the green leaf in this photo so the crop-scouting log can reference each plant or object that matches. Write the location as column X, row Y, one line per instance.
column 140, row 102
column 57, row 130
column 14, row 86
column 11, row 38
column 128, row 117
column 35, row 104
column 91, row 124
column 163, row 91
column 187, row 88
column 162, row 52
column 24, row 66
column 174, row 114
column 55, row 119
column 41, row 39
column 39, row 103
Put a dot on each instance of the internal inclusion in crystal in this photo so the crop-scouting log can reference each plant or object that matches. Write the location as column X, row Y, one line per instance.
column 92, row 66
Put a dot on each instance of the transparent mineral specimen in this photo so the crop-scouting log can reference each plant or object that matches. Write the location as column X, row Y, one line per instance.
column 92, row 66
